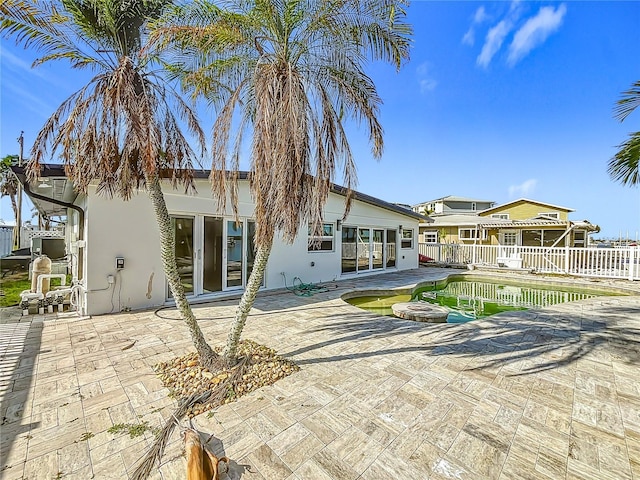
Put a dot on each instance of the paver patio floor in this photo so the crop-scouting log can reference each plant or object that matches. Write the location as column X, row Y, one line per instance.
column 551, row 393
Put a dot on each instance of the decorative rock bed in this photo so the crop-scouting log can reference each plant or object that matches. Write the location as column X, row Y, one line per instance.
column 420, row 312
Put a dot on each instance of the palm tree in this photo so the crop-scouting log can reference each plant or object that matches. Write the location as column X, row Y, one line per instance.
column 9, row 183
column 124, row 127
column 289, row 73
column 623, row 167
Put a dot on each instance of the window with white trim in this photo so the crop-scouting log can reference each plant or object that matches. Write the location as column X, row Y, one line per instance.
column 406, row 239
column 430, row 236
column 501, row 216
column 555, row 215
column 322, row 242
column 471, row 234
column 508, row 238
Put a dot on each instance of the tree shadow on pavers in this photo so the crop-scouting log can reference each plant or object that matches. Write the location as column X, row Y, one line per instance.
column 20, row 345
column 354, row 327
column 531, row 341
column 172, row 313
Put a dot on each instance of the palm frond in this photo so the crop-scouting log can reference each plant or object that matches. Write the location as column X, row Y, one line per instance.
column 628, row 103
column 624, row 166
column 287, row 74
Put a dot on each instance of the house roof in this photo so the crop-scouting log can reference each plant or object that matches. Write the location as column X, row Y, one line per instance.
column 454, row 198
column 58, row 187
column 496, row 223
column 524, row 200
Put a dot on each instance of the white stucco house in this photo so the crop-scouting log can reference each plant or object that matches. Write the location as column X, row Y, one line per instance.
column 113, row 246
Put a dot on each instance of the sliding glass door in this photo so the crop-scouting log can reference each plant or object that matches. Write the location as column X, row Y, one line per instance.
column 364, row 238
column 184, row 251
column 366, row 249
column 235, row 250
column 349, row 249
column 213, row 254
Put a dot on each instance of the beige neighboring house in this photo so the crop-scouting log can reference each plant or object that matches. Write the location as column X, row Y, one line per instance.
column 522, row 222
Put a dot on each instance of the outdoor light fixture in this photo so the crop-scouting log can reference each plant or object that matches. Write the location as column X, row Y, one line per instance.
column 400, row 228
column 338, row 224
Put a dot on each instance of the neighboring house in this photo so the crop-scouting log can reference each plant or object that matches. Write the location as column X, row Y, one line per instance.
column 215, row 254
column 452, row 205
column 520, row 222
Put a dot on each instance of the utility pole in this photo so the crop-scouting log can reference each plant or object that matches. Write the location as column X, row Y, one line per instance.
column 19, row 215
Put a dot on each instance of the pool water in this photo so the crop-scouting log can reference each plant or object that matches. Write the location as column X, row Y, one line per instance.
column 469, row 299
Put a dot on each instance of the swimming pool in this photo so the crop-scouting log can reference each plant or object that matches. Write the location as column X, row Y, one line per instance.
column 468, row 300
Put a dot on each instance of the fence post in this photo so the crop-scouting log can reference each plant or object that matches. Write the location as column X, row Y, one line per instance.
column 632, row 262
column 566, row 259
column 473, row 256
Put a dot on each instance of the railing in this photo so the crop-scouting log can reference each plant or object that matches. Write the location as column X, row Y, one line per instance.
column 29, row 232
column 589, row 262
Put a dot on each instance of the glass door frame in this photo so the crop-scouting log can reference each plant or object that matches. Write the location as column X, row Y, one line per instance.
column 198, row 255
column 371, row 250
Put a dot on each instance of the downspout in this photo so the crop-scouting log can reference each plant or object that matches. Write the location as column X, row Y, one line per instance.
column 67, row 205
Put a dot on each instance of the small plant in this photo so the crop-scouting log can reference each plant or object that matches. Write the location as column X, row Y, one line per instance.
column 133, row 430
column 86, row 436
column 231, row 393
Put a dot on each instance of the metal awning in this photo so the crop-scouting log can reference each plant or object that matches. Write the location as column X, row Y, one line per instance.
column 52, row 184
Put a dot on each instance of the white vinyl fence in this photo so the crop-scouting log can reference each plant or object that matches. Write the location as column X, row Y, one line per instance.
column 589, row 262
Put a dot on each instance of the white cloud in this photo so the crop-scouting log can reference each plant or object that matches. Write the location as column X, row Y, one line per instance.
column 493, row 42
column 535, row 31
column 469, row 38
column 524, row 189
column 37, row 104
column 480, row 16
column 16, row 64
column 427, row 85
column 426, row 80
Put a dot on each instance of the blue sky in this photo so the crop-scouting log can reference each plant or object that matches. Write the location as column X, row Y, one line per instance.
column 500, row 100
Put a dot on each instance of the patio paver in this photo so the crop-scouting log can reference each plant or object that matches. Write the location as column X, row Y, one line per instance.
column 551, row 393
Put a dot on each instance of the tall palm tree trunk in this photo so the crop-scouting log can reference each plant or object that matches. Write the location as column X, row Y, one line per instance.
column 208, row 358
column 246, row 302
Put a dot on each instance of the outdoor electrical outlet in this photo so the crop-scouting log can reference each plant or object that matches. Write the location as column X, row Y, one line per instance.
column 111, row 279
column 119, row 263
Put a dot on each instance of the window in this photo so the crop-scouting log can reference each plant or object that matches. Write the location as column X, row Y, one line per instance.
column 555, row 215
column 471, row 234
column 508, row 238
column 431, row 237
column 406, row 240
column 532, row 238
column 322, row 242
column 550, row 237
column 502, row 216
